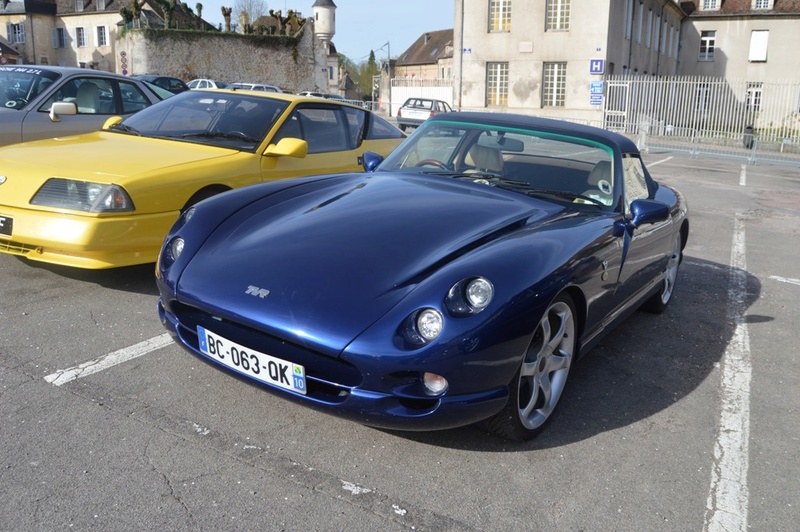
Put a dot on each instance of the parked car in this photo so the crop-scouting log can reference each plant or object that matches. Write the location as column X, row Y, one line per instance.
column 456, row 284
column 416, row 110
column 173, row 85
column 255, row 87
column 206, row 84
column 39, row 102
column 108, row 198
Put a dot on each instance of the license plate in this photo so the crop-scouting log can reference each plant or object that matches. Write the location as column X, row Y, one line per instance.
column 6, row 224
column 259, row 366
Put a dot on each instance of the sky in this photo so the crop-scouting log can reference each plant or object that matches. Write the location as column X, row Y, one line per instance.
column 363, row 25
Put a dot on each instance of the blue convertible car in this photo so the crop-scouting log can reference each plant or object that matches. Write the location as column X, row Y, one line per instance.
column 454, row 283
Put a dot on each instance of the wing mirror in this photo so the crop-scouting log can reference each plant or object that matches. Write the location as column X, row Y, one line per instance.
column 62, row 108
column 370, row 160
column 646, row 211
column 288, row 147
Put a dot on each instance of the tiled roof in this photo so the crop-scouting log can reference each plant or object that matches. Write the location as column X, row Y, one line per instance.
column 428, row 49
column 742, row 7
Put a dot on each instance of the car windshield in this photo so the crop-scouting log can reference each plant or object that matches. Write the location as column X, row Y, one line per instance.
column 19, row 84
column 236, row 121
column 159, row 91
column 527, row 161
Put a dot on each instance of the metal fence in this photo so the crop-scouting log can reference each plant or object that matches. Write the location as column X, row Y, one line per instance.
column 755, row 121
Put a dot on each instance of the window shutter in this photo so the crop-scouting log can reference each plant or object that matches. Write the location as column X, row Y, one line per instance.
column 758, row 45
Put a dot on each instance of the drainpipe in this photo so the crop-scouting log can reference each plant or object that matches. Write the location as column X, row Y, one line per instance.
column 633, row 30
column 660, row 38
column 461, row 56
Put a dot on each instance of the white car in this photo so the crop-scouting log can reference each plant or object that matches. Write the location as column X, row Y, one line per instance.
column 416, row 110
column 201, row 83
column 255, row 87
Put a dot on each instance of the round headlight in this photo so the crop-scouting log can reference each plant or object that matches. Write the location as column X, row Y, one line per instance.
column 176, row 248
column 479, row 293
column 429, row 324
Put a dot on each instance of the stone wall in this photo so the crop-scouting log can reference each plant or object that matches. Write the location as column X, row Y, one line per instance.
column 294, row 63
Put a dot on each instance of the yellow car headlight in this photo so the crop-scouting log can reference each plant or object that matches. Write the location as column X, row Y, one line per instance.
column 83, row 196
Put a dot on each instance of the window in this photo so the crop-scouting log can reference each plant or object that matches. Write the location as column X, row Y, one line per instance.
column 102, row 36
column 59, row 37
column 758, row 46
column 80, row 37
column 499, row 15
column 16, row 33
column 707, row 40
column 709, row 5
column 101, row 5
column 635, row 181
column 78, row 5
column 629, row 19
column 762, row 4
column 752, row 99
column 555, row 85
column 557, row 16
column 649, row 39
column 639, row 18
column 496, row 84
column 702, row 97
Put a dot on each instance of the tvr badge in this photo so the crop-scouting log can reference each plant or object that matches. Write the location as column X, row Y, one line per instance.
column 257, row 292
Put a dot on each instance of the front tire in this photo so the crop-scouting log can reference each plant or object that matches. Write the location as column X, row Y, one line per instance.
column 539, row 382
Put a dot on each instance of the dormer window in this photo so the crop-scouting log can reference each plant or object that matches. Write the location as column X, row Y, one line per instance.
column 101, row 5
column 710, row 5
column 762, row 4
column 79, row 5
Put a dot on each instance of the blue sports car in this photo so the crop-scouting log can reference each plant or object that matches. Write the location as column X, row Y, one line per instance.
column 455, row 282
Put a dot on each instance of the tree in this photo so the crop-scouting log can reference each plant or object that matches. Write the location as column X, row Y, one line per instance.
column 253, row 8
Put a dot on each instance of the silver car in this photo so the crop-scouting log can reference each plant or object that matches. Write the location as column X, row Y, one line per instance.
column 416, row 110
column 41, row 102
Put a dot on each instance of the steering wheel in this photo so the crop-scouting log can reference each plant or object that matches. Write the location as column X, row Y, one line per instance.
column 432, row 162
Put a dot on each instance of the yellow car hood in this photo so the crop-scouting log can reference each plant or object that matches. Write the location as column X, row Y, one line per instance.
column 103, row 157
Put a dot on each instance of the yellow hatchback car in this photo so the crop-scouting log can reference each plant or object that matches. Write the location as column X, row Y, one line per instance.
column 107, row 199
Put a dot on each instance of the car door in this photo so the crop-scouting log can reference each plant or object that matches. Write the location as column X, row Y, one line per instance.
column 334, row 142
column 645, row 249
column 95, row 98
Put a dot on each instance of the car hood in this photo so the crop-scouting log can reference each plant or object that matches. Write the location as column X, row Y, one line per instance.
column 102, row 156
column 325, row 261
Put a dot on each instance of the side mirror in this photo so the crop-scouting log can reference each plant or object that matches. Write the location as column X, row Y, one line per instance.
column 370, row 160
column 62, row 108
column 647, row 211
column 288, row 147
column 112, row 121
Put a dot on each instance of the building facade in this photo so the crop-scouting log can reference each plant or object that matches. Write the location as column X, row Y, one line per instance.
column 546, row 55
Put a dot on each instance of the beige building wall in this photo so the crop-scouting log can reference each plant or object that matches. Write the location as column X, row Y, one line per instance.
column 733, row 37
column 601, row 33
column 37, row 36
column 93, row 55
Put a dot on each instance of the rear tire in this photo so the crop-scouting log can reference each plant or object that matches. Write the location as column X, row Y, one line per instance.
column 660, row 300
column 539, row 382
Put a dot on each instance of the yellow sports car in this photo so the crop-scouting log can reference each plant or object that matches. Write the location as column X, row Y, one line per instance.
column 107, row 199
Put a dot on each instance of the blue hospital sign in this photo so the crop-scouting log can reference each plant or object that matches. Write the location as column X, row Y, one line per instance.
column 597, row 66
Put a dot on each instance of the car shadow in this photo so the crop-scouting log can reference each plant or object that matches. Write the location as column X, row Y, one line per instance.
column 138, row 279
column 643, row 367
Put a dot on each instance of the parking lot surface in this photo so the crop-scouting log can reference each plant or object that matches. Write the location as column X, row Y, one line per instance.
column 681, row 421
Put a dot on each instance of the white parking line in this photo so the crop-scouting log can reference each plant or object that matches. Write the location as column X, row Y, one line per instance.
column 659, row 162
column 112, row 359
column 727, row 505
column 785, row 279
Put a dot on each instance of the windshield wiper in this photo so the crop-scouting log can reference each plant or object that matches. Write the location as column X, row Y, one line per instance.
column 218, row 135
column 126, row 128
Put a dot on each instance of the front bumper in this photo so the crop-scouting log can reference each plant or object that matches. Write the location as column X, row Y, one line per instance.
column 84, row 240
column 334, row 386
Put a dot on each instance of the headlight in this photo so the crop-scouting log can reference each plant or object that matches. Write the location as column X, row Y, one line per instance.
column 470, row 296
column 176, row 248
column 429, row 324
column 479, row 293
column 83, row 196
